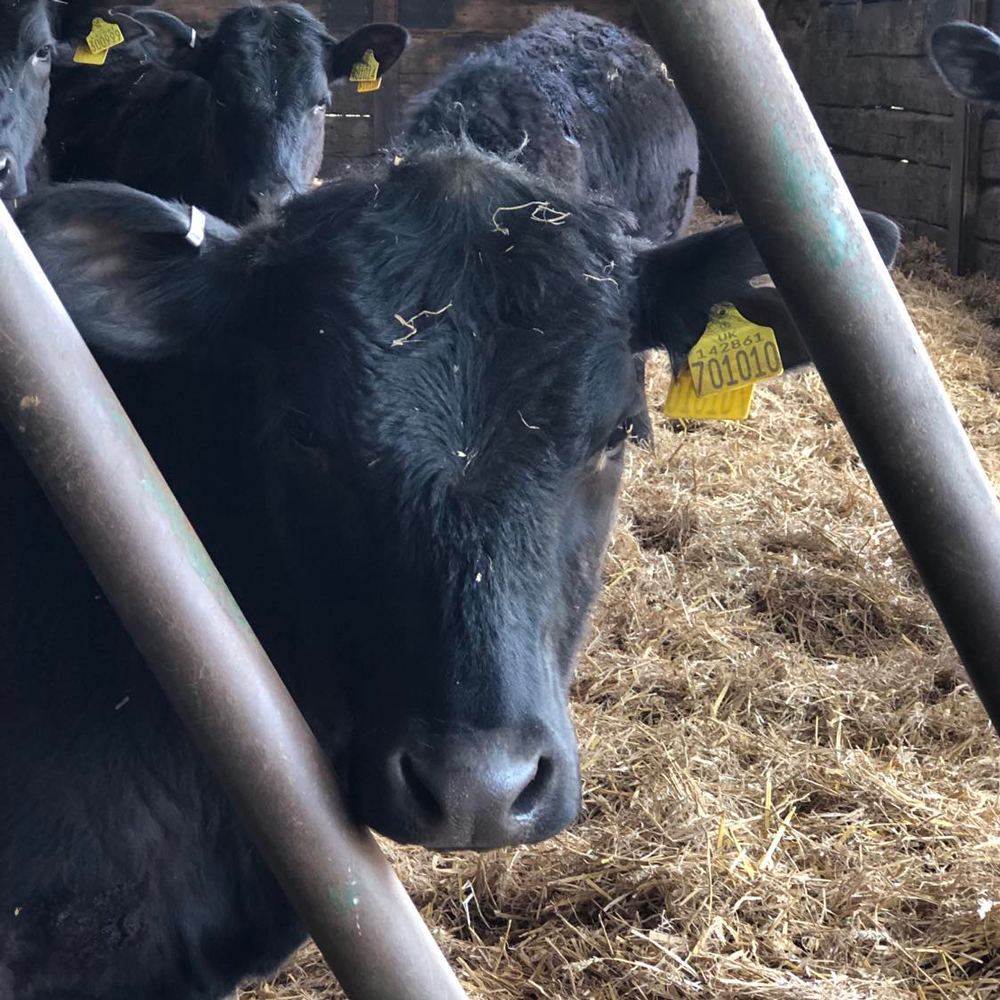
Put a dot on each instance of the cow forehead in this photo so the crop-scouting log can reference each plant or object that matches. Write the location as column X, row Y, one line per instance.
column 460, row 360
column 277, row 51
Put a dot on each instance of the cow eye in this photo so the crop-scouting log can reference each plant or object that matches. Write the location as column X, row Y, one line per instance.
column 44, row 54
column 616, row 443
column 301, row 431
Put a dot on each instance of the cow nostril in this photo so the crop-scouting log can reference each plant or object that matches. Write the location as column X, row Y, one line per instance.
column 420, row 793
column 535, row 790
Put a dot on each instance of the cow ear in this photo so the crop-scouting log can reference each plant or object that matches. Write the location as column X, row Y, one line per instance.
column 169, row 34
column 680, row 281
column 139, row 275
column 968, row 57
column 386, row 41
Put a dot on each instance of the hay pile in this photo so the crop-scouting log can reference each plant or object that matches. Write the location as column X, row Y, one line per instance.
column 790, row 791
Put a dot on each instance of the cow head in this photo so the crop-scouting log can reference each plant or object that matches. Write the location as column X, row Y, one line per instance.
column 270, row 69
column 968, row 58
column 441, row 375
column 26, row 46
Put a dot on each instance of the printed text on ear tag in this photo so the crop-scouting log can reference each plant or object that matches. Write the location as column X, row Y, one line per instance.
column 732, row 352
column 365, row 73
column 103, row 37
column 683, row 403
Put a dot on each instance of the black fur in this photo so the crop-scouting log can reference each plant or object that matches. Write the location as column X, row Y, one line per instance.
column 414, row 523
column 234, row 125
column 26, row 47
column 587, row 104
column 582, row 102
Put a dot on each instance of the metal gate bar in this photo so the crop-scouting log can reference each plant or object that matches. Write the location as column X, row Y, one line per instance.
column 732, row 74
column 68, row 424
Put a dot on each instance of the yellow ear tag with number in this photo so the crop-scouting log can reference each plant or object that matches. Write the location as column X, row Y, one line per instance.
column 365, row 73
column 103, row 37
column 731, row 356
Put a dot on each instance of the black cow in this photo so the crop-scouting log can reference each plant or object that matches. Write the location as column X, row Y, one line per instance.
column 232, row 121
column 588, row 105
column 26, row 48
column 968, row 58
column 580, row 101
column 396, row 415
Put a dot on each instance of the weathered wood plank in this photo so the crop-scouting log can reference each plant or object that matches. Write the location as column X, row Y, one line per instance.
column 987, row 257
column 990, row 162
column 965, row 165
column 349, row 137
column 347, row 13
column 205, row 14
column 887, row 28
column 385, row 110
column 412, row 84
column 907, row 82
column 988, row 221
column 913, row 228
column 901, row 135
column 907, row 190
column 427, row 13
column 493, row 16
column 432, row 51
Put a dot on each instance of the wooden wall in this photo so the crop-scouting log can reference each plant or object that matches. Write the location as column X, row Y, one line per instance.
column 887, row 115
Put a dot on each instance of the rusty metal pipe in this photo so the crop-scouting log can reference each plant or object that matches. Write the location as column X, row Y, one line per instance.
column 732, row 74
column 69, row 426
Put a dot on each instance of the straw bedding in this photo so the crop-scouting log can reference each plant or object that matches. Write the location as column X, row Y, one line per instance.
column 790, row 791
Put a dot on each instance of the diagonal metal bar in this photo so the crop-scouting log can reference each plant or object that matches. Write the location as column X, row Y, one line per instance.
column 732, row 74
column 70, row 428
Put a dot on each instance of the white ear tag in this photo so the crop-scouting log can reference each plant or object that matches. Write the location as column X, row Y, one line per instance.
column 196, row 232
column 194, row 38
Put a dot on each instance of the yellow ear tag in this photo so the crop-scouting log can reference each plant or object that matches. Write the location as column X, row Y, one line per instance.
column 684, row 404
column 103, row 37
column 365, row 73
column 731, row 356
column 85, row 56
column 732, row 352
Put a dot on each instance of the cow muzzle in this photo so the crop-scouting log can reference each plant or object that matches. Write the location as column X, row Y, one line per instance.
column 477, row 789
column 11, row 176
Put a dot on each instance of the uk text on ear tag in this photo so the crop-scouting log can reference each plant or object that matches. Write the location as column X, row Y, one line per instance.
column 104, row 36
column 365, row 73
column 732, row 352
column 683, row 403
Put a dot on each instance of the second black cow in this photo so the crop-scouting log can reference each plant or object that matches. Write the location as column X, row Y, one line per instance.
column 232, row 121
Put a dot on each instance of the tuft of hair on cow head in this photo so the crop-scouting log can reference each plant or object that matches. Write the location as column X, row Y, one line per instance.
column 968, row 58
column 680, row 281
column 134, row 271
column 385, row 40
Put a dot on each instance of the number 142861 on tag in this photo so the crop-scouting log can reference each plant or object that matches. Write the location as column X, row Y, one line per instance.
column 727, row 359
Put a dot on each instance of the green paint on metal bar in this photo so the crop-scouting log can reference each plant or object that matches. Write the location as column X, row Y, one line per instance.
column 811, row 193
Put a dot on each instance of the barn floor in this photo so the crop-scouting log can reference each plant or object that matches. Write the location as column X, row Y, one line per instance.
column 790, row 790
